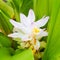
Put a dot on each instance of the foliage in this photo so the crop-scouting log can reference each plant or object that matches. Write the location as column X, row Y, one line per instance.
column 11, row 10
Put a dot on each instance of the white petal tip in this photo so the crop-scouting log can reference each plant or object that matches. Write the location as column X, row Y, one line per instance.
column 31, row 15
column 21, row 14
column 9, row 35
column 30, row 10
column 11, row 21
column 37, row 46
column 47, row 17
column 45, row 33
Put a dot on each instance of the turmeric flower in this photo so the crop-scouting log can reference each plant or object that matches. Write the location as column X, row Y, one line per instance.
column 27, row 32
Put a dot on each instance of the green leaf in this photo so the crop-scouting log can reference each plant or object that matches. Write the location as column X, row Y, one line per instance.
column 8, row 10
column 53, row 18
column 5, row 24
column 18, row 51
column 4, row 41
column 40, row 8
column 52, row 51
column 25, row 55
column 5, row 54
column 16, row 7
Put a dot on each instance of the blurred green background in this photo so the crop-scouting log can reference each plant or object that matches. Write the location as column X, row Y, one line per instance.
column 11, row 9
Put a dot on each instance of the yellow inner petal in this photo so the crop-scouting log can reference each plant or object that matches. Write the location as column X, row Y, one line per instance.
column 36, row 30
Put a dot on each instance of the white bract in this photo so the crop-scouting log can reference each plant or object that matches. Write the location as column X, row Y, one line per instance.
column 29, row 30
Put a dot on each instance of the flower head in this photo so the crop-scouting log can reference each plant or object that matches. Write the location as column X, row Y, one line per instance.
column 29, row 31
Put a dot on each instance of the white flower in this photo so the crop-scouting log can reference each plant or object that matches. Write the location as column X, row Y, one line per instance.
column 27, row 29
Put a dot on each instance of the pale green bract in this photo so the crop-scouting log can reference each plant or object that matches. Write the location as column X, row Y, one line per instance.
column 29, row 30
